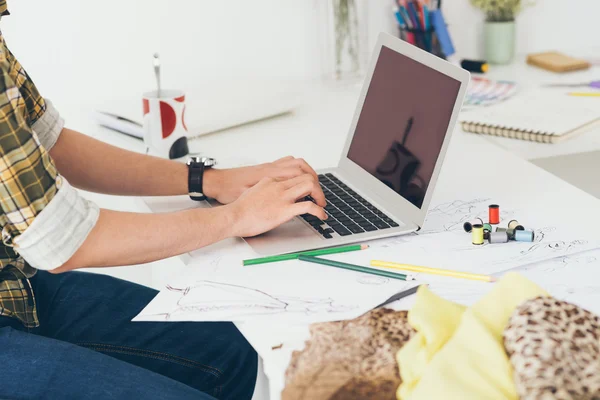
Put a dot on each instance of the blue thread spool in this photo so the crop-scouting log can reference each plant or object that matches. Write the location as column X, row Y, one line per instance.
column 524, row 236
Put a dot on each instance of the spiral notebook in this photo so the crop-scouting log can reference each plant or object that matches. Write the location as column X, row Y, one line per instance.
column 545, row 118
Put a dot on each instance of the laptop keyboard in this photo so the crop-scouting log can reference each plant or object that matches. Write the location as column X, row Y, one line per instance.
column 348, row 213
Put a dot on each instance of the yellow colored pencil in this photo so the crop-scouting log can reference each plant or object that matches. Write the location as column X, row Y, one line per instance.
column 585, row 94
column 433, row 271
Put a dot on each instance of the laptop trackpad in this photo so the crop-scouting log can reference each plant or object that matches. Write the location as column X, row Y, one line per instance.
column 282, row 237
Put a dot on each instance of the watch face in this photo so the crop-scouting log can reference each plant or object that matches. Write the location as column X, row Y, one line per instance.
column 209, row 162
column 194, row 160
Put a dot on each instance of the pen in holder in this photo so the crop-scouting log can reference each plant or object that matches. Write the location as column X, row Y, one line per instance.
column 425, row 39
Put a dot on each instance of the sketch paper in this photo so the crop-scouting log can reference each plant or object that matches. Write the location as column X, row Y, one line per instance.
column 217, row 288
column 291, row 292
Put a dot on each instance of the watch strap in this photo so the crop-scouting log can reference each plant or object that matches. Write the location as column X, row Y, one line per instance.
column 195, row 180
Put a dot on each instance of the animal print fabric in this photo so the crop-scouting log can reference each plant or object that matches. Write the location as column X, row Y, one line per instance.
column 350, row 360
column 554, row 349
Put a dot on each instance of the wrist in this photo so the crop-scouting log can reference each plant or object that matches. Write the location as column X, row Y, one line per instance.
column 229, row 218
column 211, row 183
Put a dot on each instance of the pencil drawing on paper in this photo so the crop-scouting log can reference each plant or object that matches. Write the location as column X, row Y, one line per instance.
column 372, row 280
column 451, row 216
column 234, row 301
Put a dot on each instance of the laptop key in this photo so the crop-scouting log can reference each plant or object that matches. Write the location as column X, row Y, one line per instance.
column 361, row 210
column 362, row 222
column 342, row 231
column 352, row 214
column 390, row 222
column 327, row 235
column 369, row 228
column 355, row 228
column 380, row 224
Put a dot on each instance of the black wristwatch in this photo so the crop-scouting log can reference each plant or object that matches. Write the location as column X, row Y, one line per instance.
column 196, row 167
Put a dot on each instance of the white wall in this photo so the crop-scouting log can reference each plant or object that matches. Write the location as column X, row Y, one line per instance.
column 103, row 47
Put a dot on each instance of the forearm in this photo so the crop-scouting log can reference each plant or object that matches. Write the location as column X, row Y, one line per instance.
column 120, row 238
column 95, row 166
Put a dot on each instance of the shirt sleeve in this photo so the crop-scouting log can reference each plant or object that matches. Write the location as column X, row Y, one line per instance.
column 49, row 126
column 42, row 217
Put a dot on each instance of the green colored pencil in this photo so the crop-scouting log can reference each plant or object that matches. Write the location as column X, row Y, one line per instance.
column 356, row 268
column 294, row 256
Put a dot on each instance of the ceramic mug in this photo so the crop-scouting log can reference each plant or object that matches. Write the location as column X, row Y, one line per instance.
column 165, row 132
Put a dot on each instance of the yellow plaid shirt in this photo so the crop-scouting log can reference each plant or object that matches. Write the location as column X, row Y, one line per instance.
column 28, row 179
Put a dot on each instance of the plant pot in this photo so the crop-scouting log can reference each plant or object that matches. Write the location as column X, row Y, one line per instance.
column 499, row 42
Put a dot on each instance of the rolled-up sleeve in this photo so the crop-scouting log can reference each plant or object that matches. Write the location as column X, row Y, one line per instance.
column 59, row 230
column 42, row 217
column 49, row 126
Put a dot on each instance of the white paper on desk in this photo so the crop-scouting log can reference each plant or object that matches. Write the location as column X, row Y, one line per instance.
column 477, row 174
column 291, row 292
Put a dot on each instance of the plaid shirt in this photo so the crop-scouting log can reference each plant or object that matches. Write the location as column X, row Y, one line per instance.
column 43, row 219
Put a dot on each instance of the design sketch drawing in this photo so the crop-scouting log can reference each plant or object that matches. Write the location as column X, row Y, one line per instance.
column 236, row 301
column 451, row 216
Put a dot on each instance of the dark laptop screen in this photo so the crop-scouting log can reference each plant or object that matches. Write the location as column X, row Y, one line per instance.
column 403, row 123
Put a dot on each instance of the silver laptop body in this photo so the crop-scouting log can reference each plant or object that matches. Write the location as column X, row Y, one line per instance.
column 384, row 181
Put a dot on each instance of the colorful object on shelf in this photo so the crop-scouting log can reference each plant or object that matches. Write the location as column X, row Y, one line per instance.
column 485, row 92
column 422, row 24
column 475, row 66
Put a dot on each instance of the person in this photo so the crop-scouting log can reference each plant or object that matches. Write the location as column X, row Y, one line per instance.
column 67, row 334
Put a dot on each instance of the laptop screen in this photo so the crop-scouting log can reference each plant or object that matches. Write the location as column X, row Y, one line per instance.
column 403, row 123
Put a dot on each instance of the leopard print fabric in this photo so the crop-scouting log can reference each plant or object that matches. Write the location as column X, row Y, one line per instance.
column 554, row 349
column 350, row 360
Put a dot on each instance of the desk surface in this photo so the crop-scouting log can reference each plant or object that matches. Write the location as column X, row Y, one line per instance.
column 315, row 131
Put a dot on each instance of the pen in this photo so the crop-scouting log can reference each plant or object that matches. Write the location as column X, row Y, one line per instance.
column 400, row 295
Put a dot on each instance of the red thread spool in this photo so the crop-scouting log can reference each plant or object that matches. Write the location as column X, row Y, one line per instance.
column 494, row 214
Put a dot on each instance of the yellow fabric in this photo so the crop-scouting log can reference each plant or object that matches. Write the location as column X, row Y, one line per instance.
column 458, row 352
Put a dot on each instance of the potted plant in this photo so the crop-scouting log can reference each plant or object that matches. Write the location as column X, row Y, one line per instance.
column 500, row 28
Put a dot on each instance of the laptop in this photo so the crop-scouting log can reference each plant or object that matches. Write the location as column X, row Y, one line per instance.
column 386, row 175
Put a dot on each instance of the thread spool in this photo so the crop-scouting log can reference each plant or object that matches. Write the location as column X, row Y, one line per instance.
column 477, row 234
column 511, row 234
column 494, row 214
column 487, row 227
column 514, row 224
column 468, row 226
column 501, row 229
column 524, row 236
column 498, row 237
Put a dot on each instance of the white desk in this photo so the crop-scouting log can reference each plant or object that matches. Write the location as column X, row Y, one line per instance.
column 316, row 131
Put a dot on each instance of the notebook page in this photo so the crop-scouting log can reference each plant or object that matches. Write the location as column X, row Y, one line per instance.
column 548, row 113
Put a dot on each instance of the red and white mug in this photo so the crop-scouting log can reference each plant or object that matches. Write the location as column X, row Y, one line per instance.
column 165, row 132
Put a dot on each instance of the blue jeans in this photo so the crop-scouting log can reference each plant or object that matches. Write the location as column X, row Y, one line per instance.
column 87, row 348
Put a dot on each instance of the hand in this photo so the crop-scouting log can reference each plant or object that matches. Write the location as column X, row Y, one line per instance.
column 226, row 185
column 270, row 203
